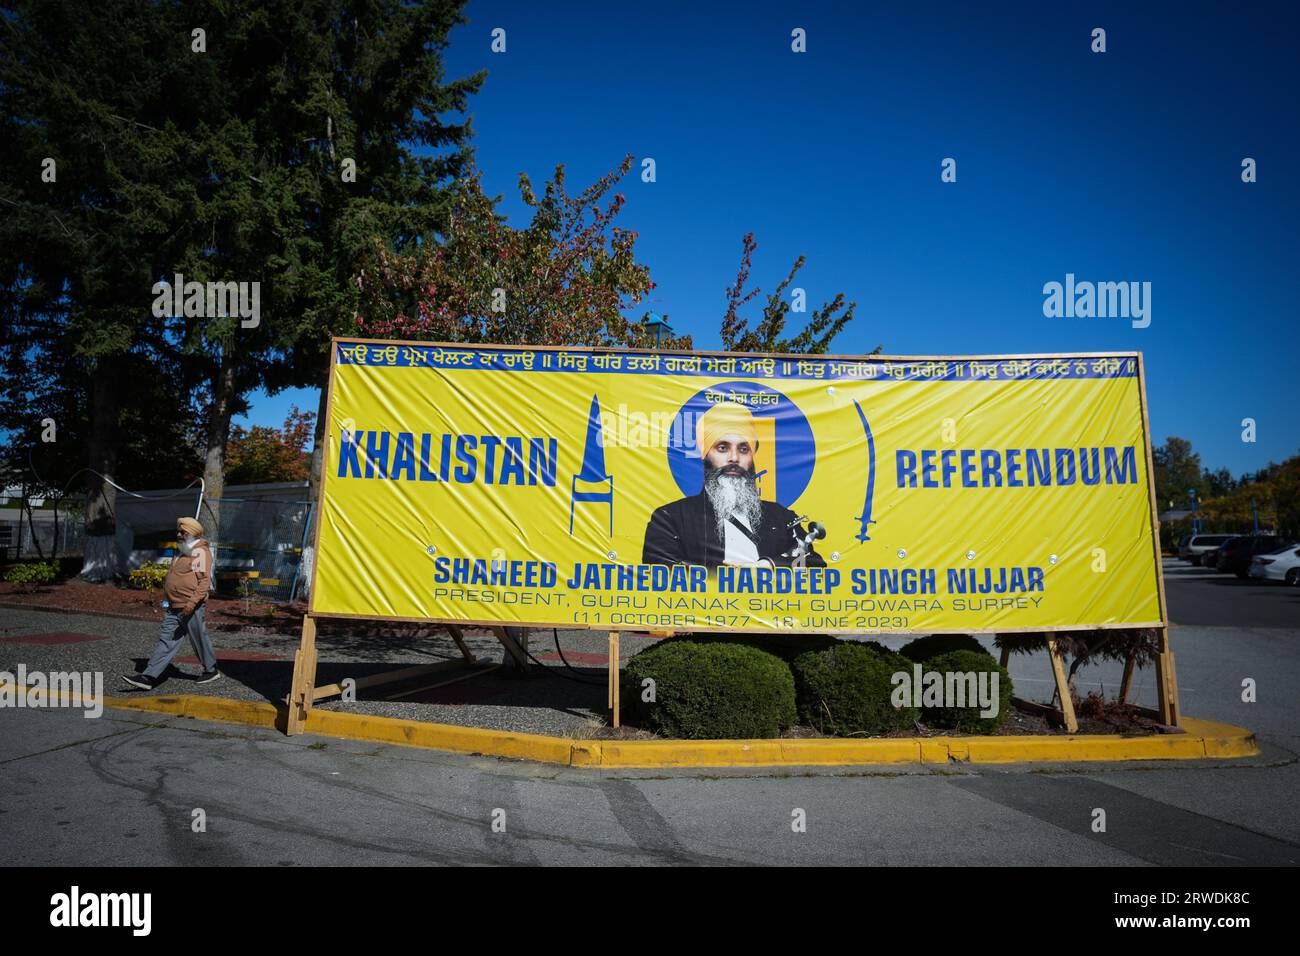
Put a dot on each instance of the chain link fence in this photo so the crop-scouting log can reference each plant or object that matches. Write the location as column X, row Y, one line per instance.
column 33, row 536
column 258, row 552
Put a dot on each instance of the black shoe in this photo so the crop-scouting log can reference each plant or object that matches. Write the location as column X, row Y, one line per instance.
column 142, row 681
column 207, row 677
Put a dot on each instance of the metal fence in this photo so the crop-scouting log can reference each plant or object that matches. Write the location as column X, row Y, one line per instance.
column 258, row 551
column 24, row 536
column 263, row 529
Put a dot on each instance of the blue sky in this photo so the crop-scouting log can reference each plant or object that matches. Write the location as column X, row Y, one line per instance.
column 1122, row 166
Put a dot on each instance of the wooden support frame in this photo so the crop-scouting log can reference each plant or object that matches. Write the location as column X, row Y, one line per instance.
column 388, row 677
column 613, row 675
column 1062, row 687
column 459, row 638
column 517, row 653
column 1166, row 681
column 1126, row 682
column 303, row 692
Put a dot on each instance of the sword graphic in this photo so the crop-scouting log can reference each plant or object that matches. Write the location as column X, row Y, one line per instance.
column 865, row 517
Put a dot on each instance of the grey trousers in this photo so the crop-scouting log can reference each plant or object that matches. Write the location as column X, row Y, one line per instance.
column 175, row 628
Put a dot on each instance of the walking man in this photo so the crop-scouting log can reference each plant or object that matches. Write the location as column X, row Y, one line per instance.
column 185, row 590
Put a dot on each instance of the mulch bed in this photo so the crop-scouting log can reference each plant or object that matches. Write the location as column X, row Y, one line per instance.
column 83, row 597
column 223, row 613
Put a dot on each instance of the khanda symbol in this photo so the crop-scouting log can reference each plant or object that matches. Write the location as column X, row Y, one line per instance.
column 865, row 518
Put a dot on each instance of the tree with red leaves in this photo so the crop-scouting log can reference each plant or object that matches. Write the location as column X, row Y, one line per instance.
column 564, row 279
column 825, row 323
column 269, row 454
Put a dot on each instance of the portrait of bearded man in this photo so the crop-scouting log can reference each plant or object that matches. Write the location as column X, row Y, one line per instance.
column 727, row 522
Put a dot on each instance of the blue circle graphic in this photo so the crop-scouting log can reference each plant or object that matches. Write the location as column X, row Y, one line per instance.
column 796, row 449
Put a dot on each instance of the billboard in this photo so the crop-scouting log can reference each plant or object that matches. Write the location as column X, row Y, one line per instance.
column 730, row 492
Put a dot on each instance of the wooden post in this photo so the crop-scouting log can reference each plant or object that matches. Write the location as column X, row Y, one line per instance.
column 1126, row 682
column 514, row 652
column 613, row 676
column 303, row 689
column 1166, row 680
column 459, row 638
column 1167, row 683
column 1062, row 687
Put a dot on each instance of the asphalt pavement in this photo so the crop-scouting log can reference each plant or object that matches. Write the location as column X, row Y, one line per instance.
column 1200, row 596
column 125, row 788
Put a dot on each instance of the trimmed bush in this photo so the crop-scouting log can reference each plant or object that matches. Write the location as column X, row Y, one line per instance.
column 846, row 689
column 932, row 645
column 32, row 572
column 893, row 658
column 785, row 646
column 967, row 719
column 710, row 691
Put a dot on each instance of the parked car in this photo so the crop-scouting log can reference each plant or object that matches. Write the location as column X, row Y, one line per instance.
column 1281, row 565
column 1201, row 545
column 1236, row 554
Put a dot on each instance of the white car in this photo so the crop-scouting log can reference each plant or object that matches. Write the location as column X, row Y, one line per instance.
column 1281, row 565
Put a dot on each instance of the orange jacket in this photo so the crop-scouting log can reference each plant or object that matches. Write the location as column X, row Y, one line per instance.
column 188, row 577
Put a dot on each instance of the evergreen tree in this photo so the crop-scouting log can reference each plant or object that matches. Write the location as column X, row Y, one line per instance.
column 94, row 165
column 1177, row 470
column 274, row 147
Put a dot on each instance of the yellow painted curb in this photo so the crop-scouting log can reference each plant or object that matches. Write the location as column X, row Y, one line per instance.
column 65, row 697
column 753, row 753
column 416, row 733
column 201, row 707
column 1203, row 739
column 198, row 706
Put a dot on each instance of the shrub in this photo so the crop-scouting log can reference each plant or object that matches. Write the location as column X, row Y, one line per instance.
column 893, row 658
column 148, row 576
column 967, row 719
column 785, row 646
column 846, row 689
column 713, row 690
column 32, row 572
column 932, row 645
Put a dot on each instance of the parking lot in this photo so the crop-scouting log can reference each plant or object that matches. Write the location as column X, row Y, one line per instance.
column 1207, row 598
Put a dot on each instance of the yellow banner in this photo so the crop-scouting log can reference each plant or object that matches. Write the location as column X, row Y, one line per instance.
column 578, row 488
